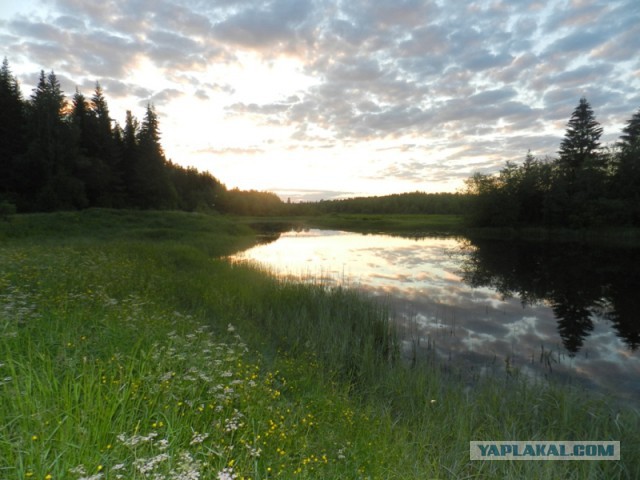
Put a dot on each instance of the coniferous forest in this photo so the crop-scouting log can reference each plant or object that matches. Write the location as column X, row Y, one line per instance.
column 60, row 154
column 585, row 186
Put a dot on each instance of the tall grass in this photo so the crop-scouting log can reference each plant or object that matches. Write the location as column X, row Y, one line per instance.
column 129, row 350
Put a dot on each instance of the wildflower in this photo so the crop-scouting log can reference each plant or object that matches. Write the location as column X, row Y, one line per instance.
column 147, row 465
column 254, row 452
column 198, row 438
column 97, row 476
column 226, row 474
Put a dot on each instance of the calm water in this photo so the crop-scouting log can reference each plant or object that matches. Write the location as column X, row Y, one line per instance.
column 563, row 310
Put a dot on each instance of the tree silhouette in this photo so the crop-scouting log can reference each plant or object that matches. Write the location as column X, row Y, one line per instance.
column 12, row 134
column 581, row 140
column 154, row 189
column 627, row 177
column 52, row 154
column 631, row 133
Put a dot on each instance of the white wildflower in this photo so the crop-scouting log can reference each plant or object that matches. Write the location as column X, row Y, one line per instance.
column 135, row 440
column 79, row 470
column 226, row 474
column 198, row 438
column 254, row 451
column 147, row 465
column 97, row 476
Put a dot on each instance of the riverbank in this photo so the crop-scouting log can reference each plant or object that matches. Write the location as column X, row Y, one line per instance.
column 434, row 225
column 132, row 349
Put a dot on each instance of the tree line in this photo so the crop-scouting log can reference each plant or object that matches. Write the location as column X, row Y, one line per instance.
column 585, row 186
column 399, row 203
column 60, row 154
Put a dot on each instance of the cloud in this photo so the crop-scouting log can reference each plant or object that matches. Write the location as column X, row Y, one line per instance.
column 279, row 23
column 446, row 74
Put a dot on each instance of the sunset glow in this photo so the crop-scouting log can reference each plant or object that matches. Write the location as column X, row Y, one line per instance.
column 321, row 99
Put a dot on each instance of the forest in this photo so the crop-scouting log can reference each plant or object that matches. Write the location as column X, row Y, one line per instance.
column 586, row 186
column 66, row 154
column 57, row 154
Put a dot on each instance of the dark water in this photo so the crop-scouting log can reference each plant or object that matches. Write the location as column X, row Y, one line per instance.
column 561, row 310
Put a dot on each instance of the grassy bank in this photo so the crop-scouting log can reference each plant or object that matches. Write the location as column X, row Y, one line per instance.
column 414, row 225
column 129, row 350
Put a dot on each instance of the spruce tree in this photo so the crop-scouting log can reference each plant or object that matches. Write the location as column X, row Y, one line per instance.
column 52, row 154
column 129, row 153
column 106, row 152
column 155, row 190
column 631, row 133
column 581, row 141
column 627, row 177
column 12, row 133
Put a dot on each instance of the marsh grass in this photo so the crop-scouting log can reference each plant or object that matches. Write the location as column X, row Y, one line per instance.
column 128, row 351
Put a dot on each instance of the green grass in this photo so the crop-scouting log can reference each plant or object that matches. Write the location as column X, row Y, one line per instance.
column 129, row 350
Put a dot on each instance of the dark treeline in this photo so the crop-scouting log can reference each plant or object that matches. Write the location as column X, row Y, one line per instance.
column 60, row 154
column 585, row 186
column 403, row 203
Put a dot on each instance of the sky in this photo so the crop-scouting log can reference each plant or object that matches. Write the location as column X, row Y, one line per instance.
column 318, row 99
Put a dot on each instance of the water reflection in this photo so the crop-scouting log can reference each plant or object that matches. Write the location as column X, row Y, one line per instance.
column 546, row 309
column 580, row 283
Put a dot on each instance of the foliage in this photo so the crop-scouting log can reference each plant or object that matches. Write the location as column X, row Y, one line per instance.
column 129, row 351
column 580, row 143
column 251, row 202
column 57, row 154
column 586, row 186
column 403, row 203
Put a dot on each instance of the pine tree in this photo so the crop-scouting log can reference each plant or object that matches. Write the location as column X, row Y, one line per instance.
column 581, row 141
column 12, row 135
column 627, row 177
column 631, row 133
column 155, row 189
column 52, row 155
column 81, row 120
column 129, row 153
column 105, row 150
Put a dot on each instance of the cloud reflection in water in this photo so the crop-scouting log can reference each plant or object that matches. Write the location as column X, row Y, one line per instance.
column 481, row 326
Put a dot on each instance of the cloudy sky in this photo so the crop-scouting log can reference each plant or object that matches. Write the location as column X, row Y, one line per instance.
column 321, row 98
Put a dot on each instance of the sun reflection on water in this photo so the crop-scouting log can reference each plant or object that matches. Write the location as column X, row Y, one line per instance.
column 421, row 280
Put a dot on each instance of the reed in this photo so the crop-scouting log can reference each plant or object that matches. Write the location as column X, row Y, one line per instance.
column 130, row 348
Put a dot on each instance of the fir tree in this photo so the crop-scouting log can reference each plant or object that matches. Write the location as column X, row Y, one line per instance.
column 12, row 134
column 631, row 133
column 52, row 154
column 581, row 141
column 155, row 189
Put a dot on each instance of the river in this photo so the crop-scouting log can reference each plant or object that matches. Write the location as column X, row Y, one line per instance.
column 558, row 310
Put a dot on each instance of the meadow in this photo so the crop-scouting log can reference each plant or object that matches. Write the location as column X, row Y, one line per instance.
column 130, row 348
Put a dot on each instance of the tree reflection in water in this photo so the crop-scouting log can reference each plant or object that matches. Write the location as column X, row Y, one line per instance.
column 579, row 282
